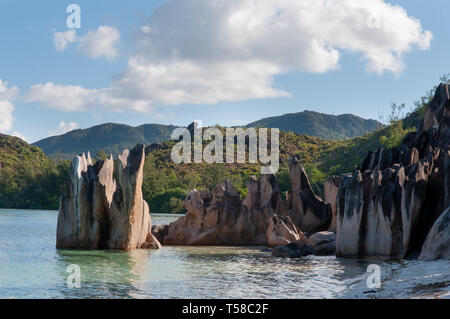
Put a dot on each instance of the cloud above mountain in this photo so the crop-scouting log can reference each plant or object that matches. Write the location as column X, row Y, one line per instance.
column 205, row 52
column 7, row 95
column 64, row 128
column 71, row 98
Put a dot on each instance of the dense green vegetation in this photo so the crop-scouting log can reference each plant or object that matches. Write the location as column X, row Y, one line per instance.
column 166, row 184
column 29, row 179
column 326, row 126
column 109, row 137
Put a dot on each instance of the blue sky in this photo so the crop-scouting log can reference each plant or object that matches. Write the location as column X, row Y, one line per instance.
column 216, row 85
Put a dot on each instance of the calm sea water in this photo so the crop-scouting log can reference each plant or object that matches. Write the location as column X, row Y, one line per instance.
column 31, row 267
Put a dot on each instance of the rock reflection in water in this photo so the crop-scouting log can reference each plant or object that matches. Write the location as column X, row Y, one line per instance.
column 104, row 274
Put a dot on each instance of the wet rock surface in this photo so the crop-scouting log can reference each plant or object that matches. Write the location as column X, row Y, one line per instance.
column 292, row 250
column 437, row 243
column 323, row 243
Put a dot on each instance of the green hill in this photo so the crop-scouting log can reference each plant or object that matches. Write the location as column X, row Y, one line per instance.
column 320, row 125
column 109, row 137
column 113, row 138
column 14, row 152
column 28, row 178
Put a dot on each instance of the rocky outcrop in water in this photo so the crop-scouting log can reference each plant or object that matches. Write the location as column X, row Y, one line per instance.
column 221, row 218
column 387, row 208
column 292, row 250
column 105, row 208
column 437, row 243
column 318, row 244
column 323, row 243
column 282, row 231
column 262, row 218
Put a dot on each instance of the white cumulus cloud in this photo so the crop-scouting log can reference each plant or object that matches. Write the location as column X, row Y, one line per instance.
column 6, row 106
column 64, row 127
column 76, row 98
column 7, row 93
column 99, row 43
column 19, row 135
column 63, row 39
column 231, row 50
column 6, row 116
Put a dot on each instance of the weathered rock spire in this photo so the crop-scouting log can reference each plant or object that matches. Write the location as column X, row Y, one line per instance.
column 105, row 208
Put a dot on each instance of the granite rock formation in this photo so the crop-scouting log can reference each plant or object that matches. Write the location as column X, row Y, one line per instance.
column 308, row 212
column 437, row 243
column 331, row 190
column 262, row 218
column 388, row 206
column 282, row 231
column 292, row 250
column 323, row 243
column 104, row 208
column 221, row 218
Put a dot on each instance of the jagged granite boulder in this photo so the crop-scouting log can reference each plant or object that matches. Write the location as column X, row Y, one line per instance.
column 308, row 212
column 437, row 243
column 387, row 208
column 323, row 243
column 262, row 218
column 104, row 208
column 322, row 238
column 282, row 231
column 221, row 218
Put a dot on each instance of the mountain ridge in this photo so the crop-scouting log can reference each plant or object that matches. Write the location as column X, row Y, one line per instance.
column 311, row 123
column 109, row 137
column 114, row 137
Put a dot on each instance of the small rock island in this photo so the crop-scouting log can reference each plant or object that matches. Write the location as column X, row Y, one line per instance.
column 104, row 208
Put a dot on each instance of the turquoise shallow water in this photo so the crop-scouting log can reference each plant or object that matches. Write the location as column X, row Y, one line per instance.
column 31, row 267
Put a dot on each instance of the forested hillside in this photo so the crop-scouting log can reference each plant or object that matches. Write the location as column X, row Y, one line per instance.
column 109, row 137
column 320, row 125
